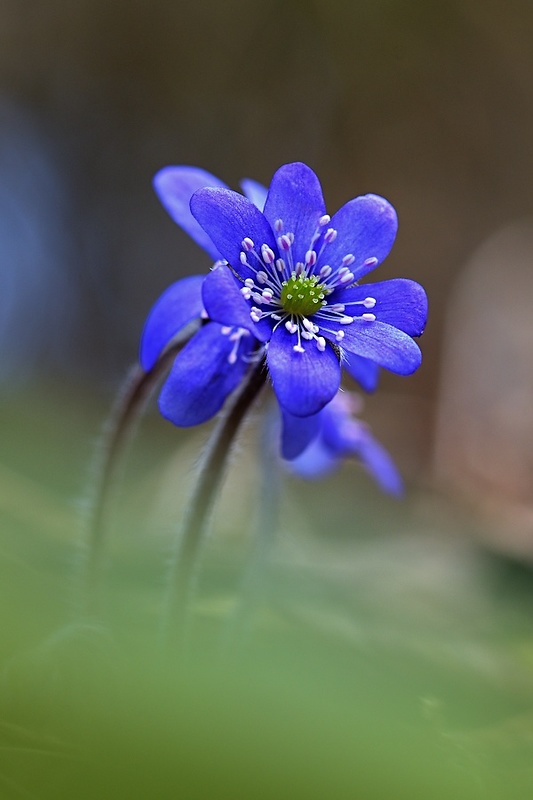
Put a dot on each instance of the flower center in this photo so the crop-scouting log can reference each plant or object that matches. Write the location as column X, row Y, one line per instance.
column 302, row 295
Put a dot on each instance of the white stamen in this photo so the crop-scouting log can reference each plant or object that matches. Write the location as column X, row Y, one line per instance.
column 256, row 316
column 330, row 235
column 249, row 282
column 299, row 268
column 257, row 298
column 278, row 225
column 326, row 271
column 280, row 265
column 370, row 262
column 291, row 327
column 246, row 292
column 307, row 335
column 243, row 258
column 310, row 258
column 346, row 320
column 226, row 329
column 262, row 277
column 340, row 336
column 325, row 220
column 369, row 317
column 369, row 302
column 321, row 343
column 268, row 254
column 247, row 244
column 298, row 348
column 284, row 242
column 308, row 325
column 267, row 295
column 232, row 358
column 348, row 260
column 339, row 307
column 348, row 277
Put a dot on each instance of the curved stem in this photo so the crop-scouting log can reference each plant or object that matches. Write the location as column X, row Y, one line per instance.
column 118, row 429
column 186, row 554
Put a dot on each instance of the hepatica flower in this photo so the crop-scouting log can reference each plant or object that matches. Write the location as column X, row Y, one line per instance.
column 290, row 276
column 317, row 445
column 285, row 281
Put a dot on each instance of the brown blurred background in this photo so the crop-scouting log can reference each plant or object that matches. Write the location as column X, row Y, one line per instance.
column 427, row 103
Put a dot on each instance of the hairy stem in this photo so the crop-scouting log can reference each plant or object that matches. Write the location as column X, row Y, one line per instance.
column 186, row 554
column 118, row 429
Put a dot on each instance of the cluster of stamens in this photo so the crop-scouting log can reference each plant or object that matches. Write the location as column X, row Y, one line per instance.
column 290, row 293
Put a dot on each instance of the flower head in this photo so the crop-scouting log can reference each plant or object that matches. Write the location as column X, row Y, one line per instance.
column 290, row 276
column 285, row 281
column 315, row 446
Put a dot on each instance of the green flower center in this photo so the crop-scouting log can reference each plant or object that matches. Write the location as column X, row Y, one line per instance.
column 302, row 295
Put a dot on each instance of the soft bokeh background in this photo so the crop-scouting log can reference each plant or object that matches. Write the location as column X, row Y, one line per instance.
column 427, row 103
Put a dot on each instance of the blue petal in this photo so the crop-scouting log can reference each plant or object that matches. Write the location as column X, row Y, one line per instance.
column 399, row 302
column 228, row 218
column 362, row 370
column 177, row 306
column 382, row 343
column 175, row 186
column 224, row 303
column 315, row 462
column 295, row 197
column 379, row 464
column 202, row 377
column 255, row 192
column 366, row 228
column 297, row 433
column 303, row 382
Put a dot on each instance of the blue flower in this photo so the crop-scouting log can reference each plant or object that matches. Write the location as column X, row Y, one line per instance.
column 217, row 357
column 289, row 276
column 316, row 445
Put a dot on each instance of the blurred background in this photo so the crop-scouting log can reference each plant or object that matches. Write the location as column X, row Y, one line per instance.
column 427, row 103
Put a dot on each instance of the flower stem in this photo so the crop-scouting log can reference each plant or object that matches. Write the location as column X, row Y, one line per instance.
column 185, row 558
column 255, row 579
column 117, row 432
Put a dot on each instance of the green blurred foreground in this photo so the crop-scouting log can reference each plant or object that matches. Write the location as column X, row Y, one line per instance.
column 396, row 665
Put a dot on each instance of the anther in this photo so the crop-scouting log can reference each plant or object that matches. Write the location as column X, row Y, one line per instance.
column 325, row 271
column 330, row 235
column 226, row 330
column 310, row 258
column 348, row 260
column 324, row 220
column 247, row 244
column 298, row 348
column 369, row 302
column 291, row 326
column 249, row 282
column 307, row 335
column 268, row 254
column 346, row 320
column 284, row 242
column 340, row 336
column 308, row 325
column 278, row 225
column 369, row 317
column 370, row 262
column 246, row 292
column 347, row 277
column 243, row 258
column 267, row 295
column 321, row 343
column 262, row 277
column 280, row 265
